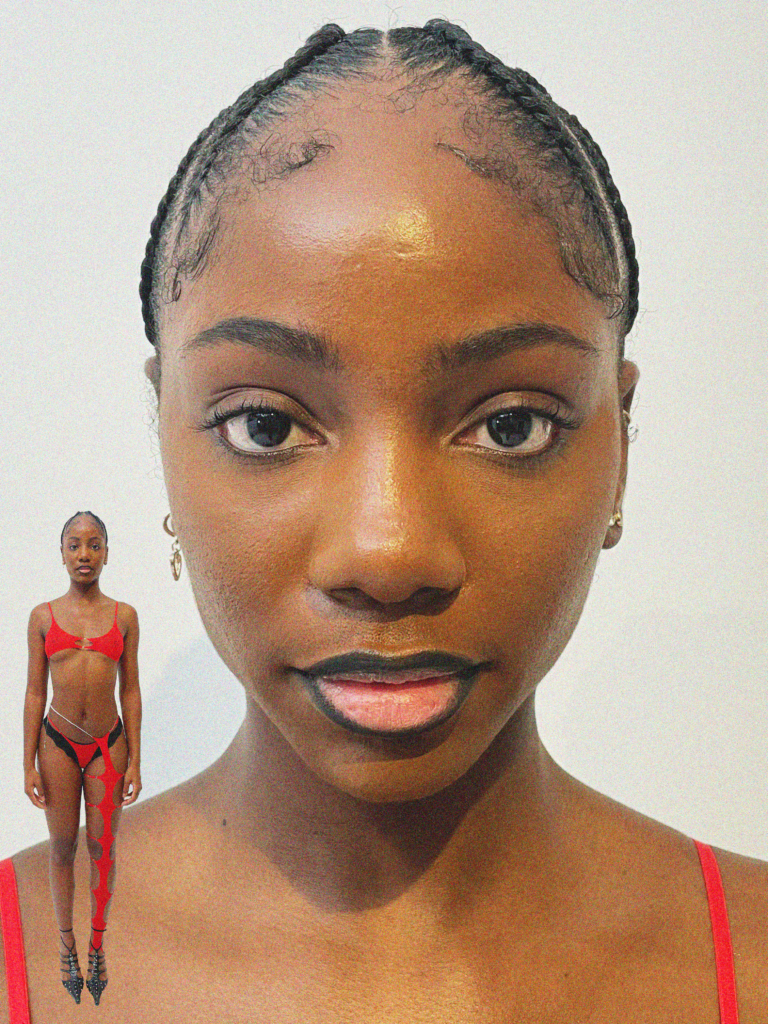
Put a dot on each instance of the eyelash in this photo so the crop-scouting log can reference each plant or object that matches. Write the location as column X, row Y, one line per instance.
column 558, row 420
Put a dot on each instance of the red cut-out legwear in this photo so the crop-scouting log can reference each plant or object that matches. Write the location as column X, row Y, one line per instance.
column 107, row 807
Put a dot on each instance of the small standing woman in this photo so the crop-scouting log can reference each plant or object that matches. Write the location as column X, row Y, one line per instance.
column 82, row 745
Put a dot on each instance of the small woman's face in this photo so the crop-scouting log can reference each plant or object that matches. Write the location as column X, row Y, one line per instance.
column 442, row 459
column 83, row 550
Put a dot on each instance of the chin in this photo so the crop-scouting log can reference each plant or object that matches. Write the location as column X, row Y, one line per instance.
column 385, row 771
column 390, row 784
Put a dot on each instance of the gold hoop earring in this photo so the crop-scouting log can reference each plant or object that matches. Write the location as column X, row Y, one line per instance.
column 616, row 519
column 175, row 548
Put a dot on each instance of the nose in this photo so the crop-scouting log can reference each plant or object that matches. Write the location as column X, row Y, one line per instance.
column 386, row 537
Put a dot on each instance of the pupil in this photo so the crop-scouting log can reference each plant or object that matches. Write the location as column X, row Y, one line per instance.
column 268, row 428
column 511, row 428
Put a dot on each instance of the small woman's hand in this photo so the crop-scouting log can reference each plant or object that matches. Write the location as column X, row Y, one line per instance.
column 131, row 784
column 33, row 787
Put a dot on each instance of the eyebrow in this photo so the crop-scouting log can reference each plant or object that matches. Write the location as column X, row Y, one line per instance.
column 317, row 351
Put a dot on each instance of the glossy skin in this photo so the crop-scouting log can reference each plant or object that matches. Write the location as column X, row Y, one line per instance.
column 285, row 558
column 83, row 684
column 318, row 874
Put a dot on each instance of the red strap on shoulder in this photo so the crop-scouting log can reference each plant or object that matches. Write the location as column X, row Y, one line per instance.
column 15, row 966
column 721, row 934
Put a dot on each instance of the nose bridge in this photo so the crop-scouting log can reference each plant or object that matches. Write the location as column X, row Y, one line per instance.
column 387, row 532
column 83, row 551
column 392, row 471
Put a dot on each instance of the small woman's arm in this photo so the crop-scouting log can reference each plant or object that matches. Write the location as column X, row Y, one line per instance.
column 130, row 705
column 34, row 704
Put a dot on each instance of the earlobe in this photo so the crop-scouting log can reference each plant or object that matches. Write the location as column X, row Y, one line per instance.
column 613, row 535
column 152, row 371
column 629, row 375
column 628, row 378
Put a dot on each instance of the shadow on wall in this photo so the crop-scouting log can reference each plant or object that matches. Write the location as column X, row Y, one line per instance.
column 190, row 719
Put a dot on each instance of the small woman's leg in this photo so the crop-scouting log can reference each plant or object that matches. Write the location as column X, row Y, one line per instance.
column 62, row 782
column 103, row 784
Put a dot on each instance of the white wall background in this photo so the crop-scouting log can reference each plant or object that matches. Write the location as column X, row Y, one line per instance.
column 661, row 698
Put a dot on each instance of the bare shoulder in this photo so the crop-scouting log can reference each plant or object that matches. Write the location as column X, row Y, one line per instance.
column 31, row 871
column 664, row 861
column 127, row 614
column 745, row 883
column 39, row 617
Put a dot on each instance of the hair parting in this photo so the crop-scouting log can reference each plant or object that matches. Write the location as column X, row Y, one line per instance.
column 579, row 195
column 91, row 515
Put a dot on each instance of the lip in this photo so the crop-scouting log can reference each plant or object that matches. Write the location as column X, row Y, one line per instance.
column 84, row 568
column 369, row 664
column 379, row 695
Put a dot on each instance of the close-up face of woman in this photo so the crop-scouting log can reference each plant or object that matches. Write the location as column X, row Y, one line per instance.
column 391, row 425
column 83, row 549
column 395, row 319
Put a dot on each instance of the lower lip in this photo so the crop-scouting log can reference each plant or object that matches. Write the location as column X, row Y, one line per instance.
column 390, row 707
column 84, row 572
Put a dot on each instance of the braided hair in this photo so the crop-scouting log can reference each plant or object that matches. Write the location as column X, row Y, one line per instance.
column 77, row 515
column 553, row 162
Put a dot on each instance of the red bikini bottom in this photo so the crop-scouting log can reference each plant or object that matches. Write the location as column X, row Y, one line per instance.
column 83, row 754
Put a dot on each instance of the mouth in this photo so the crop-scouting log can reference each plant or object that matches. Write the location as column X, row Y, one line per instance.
column 84, row 569
column 376, row 695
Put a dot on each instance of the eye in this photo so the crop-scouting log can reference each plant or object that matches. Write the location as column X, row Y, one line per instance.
column 257, row 430
column 521, row 430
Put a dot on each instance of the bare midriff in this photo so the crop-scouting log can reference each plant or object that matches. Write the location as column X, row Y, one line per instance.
column 83, row 684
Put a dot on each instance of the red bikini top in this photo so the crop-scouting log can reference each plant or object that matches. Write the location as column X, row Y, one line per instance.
column 57, row 639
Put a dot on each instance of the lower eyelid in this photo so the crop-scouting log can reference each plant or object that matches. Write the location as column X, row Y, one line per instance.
column 558, row 423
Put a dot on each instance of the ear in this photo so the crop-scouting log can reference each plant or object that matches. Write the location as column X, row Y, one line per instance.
column 628, row 378
column 152, row 372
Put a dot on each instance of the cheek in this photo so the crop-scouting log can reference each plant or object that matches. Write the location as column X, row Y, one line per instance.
column 238, row 545
column 540, row 562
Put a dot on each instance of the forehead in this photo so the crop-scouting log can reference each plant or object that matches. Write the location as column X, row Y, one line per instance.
column 387, row 226
column 83, row 528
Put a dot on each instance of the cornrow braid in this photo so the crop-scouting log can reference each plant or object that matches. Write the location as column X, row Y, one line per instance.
column 564, row 175
column 77, row 515
column 579, row 149
column 223, row 126
column 622, row 220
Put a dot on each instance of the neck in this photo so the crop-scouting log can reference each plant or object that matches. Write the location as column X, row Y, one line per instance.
column 90, row 592
column 343, row 853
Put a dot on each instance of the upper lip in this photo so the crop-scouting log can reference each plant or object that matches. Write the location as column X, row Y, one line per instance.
column 374, row 666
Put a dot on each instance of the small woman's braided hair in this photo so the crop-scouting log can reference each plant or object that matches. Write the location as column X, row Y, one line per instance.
column 91, row 515
column 539, row 151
